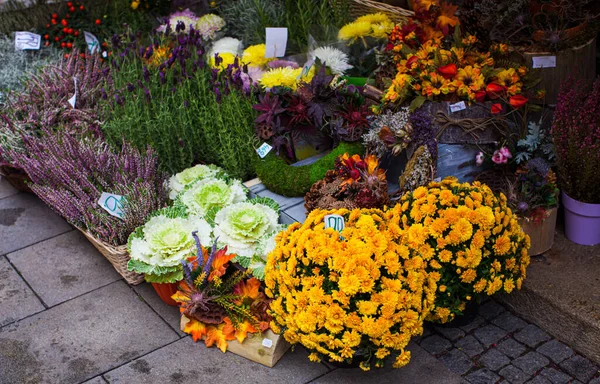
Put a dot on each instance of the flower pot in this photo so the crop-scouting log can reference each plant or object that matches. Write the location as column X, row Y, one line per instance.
column 582, row 221
column 165, row 291
column 541, row 234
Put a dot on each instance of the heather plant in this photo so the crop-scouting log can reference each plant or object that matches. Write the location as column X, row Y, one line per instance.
column 70, row 174
column 44, row 101
column 167, row 97
column 576, row 136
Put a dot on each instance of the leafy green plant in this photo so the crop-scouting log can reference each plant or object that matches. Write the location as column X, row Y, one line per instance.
column 167, row 97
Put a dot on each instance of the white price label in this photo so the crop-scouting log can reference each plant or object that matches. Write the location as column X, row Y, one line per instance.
column 457, row 106
column 27, row 40
column 276, row 42
column 113, row 204
column 91, row 41
column 268, row 343
column 544, row 61
column 335, row 221
column 263, row 150
column 437, row 179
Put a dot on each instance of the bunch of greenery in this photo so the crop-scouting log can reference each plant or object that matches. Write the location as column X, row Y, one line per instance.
column 247, row 20
column 167, row 96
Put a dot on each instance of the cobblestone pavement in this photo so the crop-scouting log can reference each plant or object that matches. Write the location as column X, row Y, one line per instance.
column 499, row 347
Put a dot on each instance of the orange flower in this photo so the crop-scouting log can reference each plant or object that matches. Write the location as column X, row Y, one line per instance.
column 215, row 336
column 447, row 18
column 420, row 5
column 494, row 90
column 219, row 265
column 448, row 71
column 372, row 166
column 247, row 291
column 228, row 329
column 195, row 328
column 517, row 101
column 240, row 333
column 496, row 108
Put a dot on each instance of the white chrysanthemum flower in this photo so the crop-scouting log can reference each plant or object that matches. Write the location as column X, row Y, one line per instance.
column 226, row 45
column 208, row 25
column 205, row 194
column 333, row 58
column 178, row 182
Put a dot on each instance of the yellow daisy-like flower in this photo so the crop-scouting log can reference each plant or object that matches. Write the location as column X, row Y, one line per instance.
column 502, row 245
column 281, row 77
column 381, row 30
column 254, row 56
column 510, row 79
column 355, row 30
column 374, row 18
column 468, row 276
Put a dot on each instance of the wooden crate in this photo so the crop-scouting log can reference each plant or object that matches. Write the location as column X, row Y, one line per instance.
column 265, row 348
column 542, row 234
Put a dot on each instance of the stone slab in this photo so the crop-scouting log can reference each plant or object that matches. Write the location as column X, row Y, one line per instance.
column 297, row 212
column 284, row 202
column 63, row 267
column 6, row 189
column 561, row 295
column 16, row 299
column 96, row 380
column 25, row 220
column 186, row 362
column 81, row 338
column 169, row 314
column 423, row 368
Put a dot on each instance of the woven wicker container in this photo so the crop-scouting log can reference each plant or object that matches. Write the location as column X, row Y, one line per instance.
column 18, row 179
column 117, row 256
column 364, row 7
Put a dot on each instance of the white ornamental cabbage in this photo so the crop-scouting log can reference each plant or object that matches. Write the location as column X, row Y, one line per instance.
column 242, row 226
column 167, row 241
column 205, row 194
column 179, row 181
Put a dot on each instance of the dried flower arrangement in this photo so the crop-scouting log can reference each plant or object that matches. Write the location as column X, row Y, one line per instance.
column 354, row 183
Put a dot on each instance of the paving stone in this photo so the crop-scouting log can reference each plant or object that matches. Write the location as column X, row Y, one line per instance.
column 483, row 376
column 284, row 202
column 169, row 314
column 555, row 351
column 435, row 344
column 256, row 188
column 514, row 375
column 494, row 359
column 539, row 380
column 511, row 348
column 456, row 361
column 555, row 376
column 6, row 189
column 470, row 346
column 17, row 300
column 579, row 367
column 476, row 323
column 81, row 338
column 95, row 380
column 509, row 322
column 491, row 309
column 25, row 220
column 284, row 218
column 531, row 362
column 187, row 362
column 63, row 267
column 297, row 212
column 489, row 334
column 450, row 333
column 532, row 336
column 423, row 368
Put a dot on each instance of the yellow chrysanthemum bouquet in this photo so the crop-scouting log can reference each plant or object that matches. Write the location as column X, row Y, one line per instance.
column 467, row 236
column 350, row 296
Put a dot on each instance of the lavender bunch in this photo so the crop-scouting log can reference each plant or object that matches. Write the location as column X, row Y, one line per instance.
column 70, row 174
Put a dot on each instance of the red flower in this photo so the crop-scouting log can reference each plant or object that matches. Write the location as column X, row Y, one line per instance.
column 64, row 22
column 81, row 8
column 494, row 90
column 389, row 46
column 517, row 101
column 98, row 21
column 496, row 108
column 480, row 96
column 55, row 16
column 69, row 4
column 72, row 9
column 448, row 71
column 354, row 174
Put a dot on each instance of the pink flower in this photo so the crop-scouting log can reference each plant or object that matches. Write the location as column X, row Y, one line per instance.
column 506, row 152
column 479, row 159
column 499, row 158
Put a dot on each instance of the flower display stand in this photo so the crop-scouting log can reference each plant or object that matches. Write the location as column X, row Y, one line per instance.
column 541, row 234
column 265, row 348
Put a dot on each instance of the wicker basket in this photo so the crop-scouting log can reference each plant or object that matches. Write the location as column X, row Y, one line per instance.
column 364, row 7
column 17, row 178
column 117, row 256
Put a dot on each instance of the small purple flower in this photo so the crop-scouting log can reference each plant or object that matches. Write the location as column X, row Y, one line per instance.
column 146, row 74
column 180, row 26
column 147, row 94
column 523, row 206
column 186, row 103
column 162, row 78
column 149, row 52
column 130, row 87
column 218, row 94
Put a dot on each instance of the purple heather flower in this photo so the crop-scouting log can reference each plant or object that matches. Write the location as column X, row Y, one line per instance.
column 523, row 206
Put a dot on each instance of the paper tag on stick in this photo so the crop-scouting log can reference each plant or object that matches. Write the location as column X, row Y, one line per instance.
column 27, row 40
column 544, row 62
column 113, row 204
column 92, row 41
column 276, row 42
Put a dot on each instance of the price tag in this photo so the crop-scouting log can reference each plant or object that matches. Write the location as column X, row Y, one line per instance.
column 457, row 106
column 335, row 221
column 27, row 40
column 113, row 204
column 73, row 99
column 276, row 42
column 263, row 150
column 544, row 61
column 437, row 179
column 268, row 343
column 91, row 41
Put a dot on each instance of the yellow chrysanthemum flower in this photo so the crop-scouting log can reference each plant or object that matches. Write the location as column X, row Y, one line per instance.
column 281, row 77
column 254, row 56
column 374, row 18
column 355, row 30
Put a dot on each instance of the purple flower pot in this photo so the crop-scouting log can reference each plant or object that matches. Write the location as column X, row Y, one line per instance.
column 582, row 221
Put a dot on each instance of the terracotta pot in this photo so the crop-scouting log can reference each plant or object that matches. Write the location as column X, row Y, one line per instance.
column 541, row 234
column 165, row 291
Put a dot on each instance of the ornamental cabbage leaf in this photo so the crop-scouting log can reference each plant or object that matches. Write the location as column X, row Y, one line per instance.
column 203, row 195
column 178, row 182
